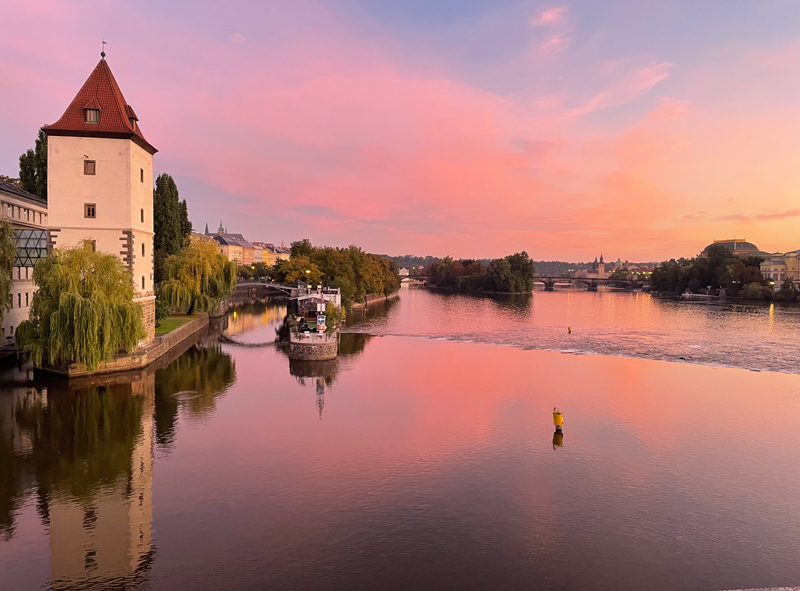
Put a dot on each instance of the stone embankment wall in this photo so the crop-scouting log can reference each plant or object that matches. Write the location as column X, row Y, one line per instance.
column 373, row 298
column 143, row 357
column 313, row 351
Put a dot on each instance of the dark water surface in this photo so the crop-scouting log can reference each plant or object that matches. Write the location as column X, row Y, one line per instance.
column 418, row 463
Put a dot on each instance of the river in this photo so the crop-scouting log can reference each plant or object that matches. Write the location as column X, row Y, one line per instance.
column 424, row 457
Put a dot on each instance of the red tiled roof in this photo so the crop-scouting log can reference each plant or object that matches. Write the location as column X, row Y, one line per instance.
column 100, row 91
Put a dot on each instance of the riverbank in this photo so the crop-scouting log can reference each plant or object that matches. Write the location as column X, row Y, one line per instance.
column 162, row 345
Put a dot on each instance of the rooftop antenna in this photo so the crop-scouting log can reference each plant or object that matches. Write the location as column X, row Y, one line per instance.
column 103, row 52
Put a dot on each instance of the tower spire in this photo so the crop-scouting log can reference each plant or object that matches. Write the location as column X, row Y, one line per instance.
column 103, row 51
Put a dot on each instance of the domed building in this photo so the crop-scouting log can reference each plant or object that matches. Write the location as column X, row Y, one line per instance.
column 738, row 246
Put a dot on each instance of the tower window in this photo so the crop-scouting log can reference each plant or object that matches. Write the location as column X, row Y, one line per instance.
column 132, row 122
column 142, row 213
column 92, row 116
column 142, row 248
column 89, row 167
column 89, row 210
column 141, row 175
column 142, row 282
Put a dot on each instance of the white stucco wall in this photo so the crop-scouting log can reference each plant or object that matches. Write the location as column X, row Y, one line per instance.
column 121, row 188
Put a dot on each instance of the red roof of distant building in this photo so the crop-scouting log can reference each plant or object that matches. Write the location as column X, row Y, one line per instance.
column 100, row 91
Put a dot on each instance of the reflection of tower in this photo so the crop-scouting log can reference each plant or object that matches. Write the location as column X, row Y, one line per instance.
column 320, row 396
column 107, row 537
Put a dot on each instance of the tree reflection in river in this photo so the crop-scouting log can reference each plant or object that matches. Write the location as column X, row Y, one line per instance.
column 195, row 380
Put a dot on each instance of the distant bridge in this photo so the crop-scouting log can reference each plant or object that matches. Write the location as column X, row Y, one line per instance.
column 263, row 289
column 592, row 283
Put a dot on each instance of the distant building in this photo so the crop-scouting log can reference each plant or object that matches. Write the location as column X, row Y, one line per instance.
column 28, row 216
column 597, row 271
column 233, row 246
column 779, row 267
column 403, row 272
column 271, row 254
column 738, row 246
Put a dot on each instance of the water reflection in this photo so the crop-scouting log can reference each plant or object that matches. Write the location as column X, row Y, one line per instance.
column 83, row 451
column 86, row 449
column 322, row 374
column 195, row 380
column 605, row 322
column 254, row 315
column 375, row 311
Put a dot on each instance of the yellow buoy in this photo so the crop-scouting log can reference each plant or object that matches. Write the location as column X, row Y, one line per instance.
column 558, row 418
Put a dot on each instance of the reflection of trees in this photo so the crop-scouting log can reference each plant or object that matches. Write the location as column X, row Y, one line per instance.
column 353, row 343
column 10, row 482
column 83, row 438
column 205, row 370
column 375, row 310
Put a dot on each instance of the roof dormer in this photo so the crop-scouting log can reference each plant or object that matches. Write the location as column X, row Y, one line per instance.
column 92, row 112
column 132, row 118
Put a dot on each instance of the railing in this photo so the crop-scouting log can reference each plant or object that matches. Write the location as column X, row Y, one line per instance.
column 313, row 338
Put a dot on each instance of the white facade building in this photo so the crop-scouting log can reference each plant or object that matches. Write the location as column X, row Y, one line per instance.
column 28, row 216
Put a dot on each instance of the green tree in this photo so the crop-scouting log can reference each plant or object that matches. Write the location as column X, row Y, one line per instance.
column 198, row 278
column 333, row 317
column 756, row 291
column 82, row 311
column 33, row 167
column 302, row 248
column 787, row 292
column 8, row 249
column 171, row 225
column 301, row 269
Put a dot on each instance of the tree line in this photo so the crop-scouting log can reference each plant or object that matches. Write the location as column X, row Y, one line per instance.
column 511, row 274
column 355, row 272
column 720, row 269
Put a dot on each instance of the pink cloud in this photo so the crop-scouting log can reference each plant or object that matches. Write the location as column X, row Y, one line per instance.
column 550, row 16
column 632, row 86
column 553, row 45
column 320, row 131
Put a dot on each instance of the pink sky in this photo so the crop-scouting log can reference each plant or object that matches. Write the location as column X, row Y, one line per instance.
column 561, row 129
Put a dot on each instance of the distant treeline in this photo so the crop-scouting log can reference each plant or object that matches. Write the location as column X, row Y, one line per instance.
column 740, row 277
column 542, row 267
column 512, row 274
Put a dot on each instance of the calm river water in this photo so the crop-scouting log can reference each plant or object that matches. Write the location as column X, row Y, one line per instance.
column 424, row 457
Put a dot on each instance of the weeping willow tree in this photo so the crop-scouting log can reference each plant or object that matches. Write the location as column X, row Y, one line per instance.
column 82, row 311
column 198, row 278
column 8, row 248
